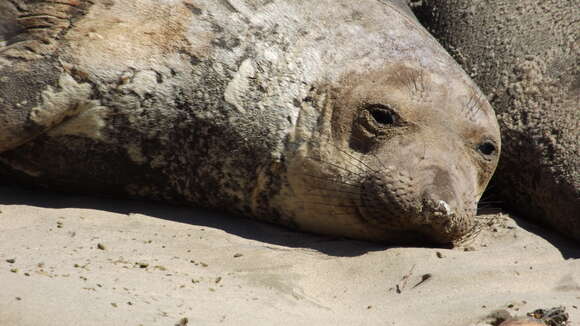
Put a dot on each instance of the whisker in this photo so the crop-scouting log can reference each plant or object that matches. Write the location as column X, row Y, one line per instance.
column 335, row 165
column 335, row 191
column 489, row 205
column 329, row 141
column 406, row 80
column 342, row 213
column 354, row 158
column 340, row 205
column 480, row 224
column 380, row 162
column 472, row 105
column 331, row 204
column 335, row 181
column 371, row 154
column 488, row 211
column 483, row 203
column 487, row 208
column 415, row 86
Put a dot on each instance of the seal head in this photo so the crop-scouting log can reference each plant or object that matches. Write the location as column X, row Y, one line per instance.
column 406, row 150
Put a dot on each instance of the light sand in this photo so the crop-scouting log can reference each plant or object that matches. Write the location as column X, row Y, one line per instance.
column 160, row 264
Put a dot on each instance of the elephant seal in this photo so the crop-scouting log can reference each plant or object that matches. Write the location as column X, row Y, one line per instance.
column 349, row 121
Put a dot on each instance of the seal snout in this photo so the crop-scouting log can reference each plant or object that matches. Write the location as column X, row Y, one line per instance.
column 445, row 204
column 429, row 203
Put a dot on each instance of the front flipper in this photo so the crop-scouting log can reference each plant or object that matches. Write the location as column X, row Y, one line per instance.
column 36, row 91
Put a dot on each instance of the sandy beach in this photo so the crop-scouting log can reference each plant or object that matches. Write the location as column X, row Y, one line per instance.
column 77, row 260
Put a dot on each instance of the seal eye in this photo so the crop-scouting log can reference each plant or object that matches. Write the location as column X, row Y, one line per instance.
column 382, row 114
column 486, row 148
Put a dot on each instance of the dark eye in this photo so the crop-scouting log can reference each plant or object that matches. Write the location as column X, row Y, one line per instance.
column 486, row 148
column 382, row 114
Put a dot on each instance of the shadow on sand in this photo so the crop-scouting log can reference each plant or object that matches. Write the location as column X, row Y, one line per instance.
column 568, row 248
column 239, row 226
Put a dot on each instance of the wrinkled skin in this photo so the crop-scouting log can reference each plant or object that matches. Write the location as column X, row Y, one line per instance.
column 350, row 122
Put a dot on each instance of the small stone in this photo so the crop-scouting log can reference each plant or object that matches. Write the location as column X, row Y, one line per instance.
column 238, row 255
column 182, row 322
column 101, row 246
column 11, row 260
column 161, row 268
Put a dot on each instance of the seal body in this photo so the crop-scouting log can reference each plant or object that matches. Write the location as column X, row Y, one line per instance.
column 351, row 121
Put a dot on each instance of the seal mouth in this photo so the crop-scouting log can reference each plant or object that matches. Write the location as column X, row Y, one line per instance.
column 444, row 223
column 437, row 210
column 454, row 222
column 394, row 203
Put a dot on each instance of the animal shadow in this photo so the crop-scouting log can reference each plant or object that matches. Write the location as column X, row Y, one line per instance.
column 235, row 225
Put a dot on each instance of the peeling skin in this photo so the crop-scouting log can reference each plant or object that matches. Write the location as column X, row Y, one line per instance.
column 255, row 107
column 240, row 85
column 58, row 105
column 88, row 122
column 29, row 33
column 70, row 99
